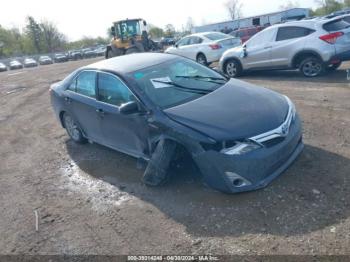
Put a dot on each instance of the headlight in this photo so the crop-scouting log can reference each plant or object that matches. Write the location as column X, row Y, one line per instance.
column 240, row 148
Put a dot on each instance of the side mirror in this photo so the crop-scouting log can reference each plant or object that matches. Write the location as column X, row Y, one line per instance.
column 129, row 108
column 144, row 23
column 176, row 45
column 245, row 53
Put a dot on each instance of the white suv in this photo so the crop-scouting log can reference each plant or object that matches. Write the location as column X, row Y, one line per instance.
column 313, row 46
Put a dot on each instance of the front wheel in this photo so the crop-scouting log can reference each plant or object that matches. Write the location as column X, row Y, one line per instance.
column 232, row 68
column 73, row 130
column 312, row 66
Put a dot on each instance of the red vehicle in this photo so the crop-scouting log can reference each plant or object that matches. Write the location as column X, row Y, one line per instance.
column 246, row 33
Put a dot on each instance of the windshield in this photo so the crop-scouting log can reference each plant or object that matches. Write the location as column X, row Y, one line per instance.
column 176, row 82
column 128, row 28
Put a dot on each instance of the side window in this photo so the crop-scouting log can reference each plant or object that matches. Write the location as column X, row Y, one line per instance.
column 290, row 32
column 112, row 91
column 183, row 42
column 261, row 38
column 85, row 83
column 195, row 40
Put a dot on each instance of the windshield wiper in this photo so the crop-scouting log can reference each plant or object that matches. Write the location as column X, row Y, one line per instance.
column 205, row 78
column 184, row 88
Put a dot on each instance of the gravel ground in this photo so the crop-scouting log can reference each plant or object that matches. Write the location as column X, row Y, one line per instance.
column 90, row 200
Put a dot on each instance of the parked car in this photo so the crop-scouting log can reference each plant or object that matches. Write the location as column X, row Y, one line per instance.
column 60, row 58
column 30, row 62
column 246, row 33
column 205, row 48
column 88, row 53
column 75, row 55
column 167, row 41
column 312, row 46
column 153, row 105
column 45, row 60
column 14, row 64
column 100, row 51
column 3, row 67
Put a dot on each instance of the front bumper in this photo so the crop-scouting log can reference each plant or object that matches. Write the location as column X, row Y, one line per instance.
column 258, row 167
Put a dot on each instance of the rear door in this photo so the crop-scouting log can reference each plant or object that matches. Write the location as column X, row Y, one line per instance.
column 80, row 99
column 341, row 29
column 259, row 50
column 287, row 39
column 126, row 133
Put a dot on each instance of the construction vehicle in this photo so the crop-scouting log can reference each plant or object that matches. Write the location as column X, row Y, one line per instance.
column 129, row 36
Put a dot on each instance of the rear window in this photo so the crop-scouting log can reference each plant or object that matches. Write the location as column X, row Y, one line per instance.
column 336, row 25
column 216, row 36
column 290, row 32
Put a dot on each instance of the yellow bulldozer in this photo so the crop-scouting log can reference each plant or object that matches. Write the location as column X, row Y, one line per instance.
column 130, row 36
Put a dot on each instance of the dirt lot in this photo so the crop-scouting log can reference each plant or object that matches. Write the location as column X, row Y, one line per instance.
column 90, row 199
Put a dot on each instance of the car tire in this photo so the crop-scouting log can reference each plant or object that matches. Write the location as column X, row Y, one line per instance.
column 201, row 59
column 72, row 129
column 312, row 67
column 334, row 67
column 232, row 68
column 156, row 172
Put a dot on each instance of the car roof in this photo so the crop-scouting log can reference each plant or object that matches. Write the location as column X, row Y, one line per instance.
column 132, row 62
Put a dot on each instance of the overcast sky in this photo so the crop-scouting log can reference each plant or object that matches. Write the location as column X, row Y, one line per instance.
column 77, row 18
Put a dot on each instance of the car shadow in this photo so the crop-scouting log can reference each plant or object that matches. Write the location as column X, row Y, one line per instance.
column 311, row 195
column 337, row 76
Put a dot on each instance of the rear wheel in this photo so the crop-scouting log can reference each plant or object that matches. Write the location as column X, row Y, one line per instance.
column 312, row 66
column 233, row 68
column 73, row 130
column 202, row 59
column 109, row 54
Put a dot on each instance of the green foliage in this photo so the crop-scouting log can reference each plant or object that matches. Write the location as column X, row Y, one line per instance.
column 329, row 6
column 169, row 30
column 156, row 32
column 86, row 42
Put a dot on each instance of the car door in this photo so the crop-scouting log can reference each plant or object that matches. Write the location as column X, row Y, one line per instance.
column 181, row 47
column 80, row 99
column 258, row 50
column 127, row 133
column 287, row 39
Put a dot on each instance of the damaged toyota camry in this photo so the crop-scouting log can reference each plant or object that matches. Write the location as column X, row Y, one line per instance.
column 240, row 136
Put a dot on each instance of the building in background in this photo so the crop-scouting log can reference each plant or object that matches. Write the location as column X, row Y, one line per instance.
column 259, row 20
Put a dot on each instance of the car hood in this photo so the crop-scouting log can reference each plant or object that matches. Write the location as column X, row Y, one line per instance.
column 236, row 110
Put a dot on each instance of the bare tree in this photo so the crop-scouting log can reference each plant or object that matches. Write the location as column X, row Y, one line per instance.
column 52, row 37
column 189, row 25
column 234, row 8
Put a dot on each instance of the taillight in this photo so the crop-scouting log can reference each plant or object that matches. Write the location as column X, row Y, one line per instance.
column 215, row 46
column 331, row 38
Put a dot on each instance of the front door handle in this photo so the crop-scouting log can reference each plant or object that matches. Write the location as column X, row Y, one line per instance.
column 268, row 47
column 100, row 112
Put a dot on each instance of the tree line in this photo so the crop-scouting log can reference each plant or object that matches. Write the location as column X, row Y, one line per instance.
column 39, row 38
